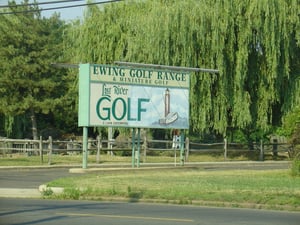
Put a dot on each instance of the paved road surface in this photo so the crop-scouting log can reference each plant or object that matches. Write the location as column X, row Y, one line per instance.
column 30, row 178
column 24, row 182
column 53, row 212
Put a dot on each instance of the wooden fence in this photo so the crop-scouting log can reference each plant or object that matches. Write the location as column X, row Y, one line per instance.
column 99, row 146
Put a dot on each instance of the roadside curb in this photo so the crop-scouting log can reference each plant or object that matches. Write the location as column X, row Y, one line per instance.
column 203, row 165
column 56, row 190
column 20, row 193
column 117, row 166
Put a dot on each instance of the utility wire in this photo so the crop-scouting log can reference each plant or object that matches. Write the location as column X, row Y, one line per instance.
column 60, row 7
column 165, row 67
column 38, row 3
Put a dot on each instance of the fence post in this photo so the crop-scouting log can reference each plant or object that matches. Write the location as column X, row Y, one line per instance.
column 99, row 146
column 225, row 149
column 261, row 153
column 50, row 147
column 187, row 141
column 5, row 147
column 25, row 148
column 41, row 149
column 275, row 148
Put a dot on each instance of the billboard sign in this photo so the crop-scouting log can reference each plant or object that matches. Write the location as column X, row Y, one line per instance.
column 116, row 96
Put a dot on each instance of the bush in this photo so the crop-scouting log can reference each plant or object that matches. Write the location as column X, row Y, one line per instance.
column 295, row 168
column 71, row 193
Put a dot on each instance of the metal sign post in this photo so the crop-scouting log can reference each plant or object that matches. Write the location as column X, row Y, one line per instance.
column 85, row 148
column 133, row 148
column 138, row 147
column 182, row 147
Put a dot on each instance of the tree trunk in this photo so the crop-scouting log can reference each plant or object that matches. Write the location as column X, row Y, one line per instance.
column 34, row 125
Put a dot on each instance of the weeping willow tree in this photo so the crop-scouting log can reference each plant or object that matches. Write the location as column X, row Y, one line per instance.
column 254, row 44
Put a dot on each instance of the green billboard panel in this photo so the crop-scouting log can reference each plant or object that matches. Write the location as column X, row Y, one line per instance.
column 117, row 96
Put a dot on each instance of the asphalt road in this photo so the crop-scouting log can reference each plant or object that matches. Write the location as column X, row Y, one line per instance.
column 50, row 212
column 30, row 178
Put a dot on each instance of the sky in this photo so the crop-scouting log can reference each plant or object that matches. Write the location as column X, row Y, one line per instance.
column 65, row 14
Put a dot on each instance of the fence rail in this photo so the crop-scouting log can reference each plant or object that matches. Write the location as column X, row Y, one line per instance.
column 99, row 146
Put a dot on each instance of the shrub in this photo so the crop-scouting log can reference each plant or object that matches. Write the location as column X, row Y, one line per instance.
column 295, row 168
column 71, row 193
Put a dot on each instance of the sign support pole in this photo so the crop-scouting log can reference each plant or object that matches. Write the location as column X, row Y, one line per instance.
column 138, row 147
column 182, row 147
column 133, row 148
column 84, row 147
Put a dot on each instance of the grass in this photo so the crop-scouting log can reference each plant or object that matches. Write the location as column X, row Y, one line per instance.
column 274, row 189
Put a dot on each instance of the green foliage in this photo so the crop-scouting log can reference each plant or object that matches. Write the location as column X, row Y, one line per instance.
column 295, row 165
column 295, row 168
column 28, row 82
column 254, row 44
column 47, row 192
column 291, row 125
column 71, row 193
column 134, row 194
